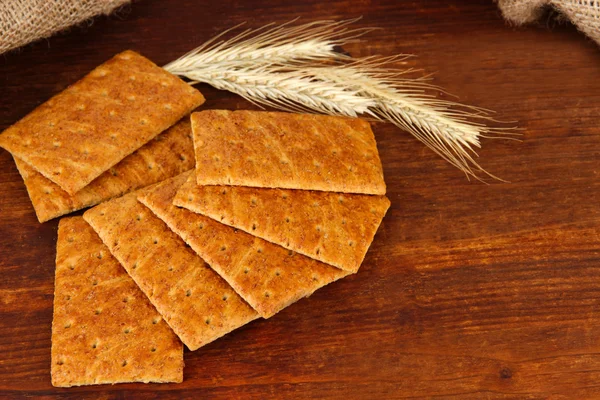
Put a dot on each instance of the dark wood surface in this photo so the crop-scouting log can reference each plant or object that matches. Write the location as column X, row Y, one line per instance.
column 469, row 290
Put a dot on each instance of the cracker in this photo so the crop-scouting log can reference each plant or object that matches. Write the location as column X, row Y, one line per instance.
column 282, row 150
column 194, row 300
column 169, row 154
column 335, row 228
column 267, row 276
column 104, row 329
column 83, row 131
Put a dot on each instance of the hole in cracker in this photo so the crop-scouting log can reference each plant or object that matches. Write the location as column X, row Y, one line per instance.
column 315, row 278
column 253, row 227
column 253, row 201
column 150, row 166
column 284, row 196
column 168, row 106
column 207, row 321
column 318, row 228
column 48, row 191
column 155, row 321
column 70, row 240
column 68, row 325
column 132, row 77
column 155, row 241
column 102, row 213
column 290, row 253
column 57, row 172
column 153, row 349
column 134, row 266
column 68, row 298
column 95, row 283
column 98, row 311
column 201, row 226
column 287, row 219
column 188, row 293
column 170, row 269
column 334, row 152
column 284, row 161
column 277, row 273
column 138, row 217
column 71, row 267
column 350, row 243
column 51, row 124
column 143, row 121
column 94, row 345
column 341, row 199
column 113, row 135
column 190, row 198
column 127, row 330
column 224, row 191
column 56, row 144
column 343, row 222
column 124, row 363
column 350, row 168
column 225, row 297
column 60, row 362
column 100, row 255
column 318, row 251
column 267, row 294
column 259, row 250
column 373, row 211
column 223, row 248
column 182, row 157
column 317, row 164
column 126, row 300
column 104, row 93
column 222, row 217
column 216, row 158
column 113, row 172
column 246, row 270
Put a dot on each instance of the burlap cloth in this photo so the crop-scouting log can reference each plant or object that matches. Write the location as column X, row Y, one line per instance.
column 23, row 21
column 585, row 14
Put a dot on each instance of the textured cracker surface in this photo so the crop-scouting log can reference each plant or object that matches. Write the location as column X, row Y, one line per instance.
column 267, row 276
column 194, row 300
column 336, row 228
column 167, row 155
column 89, row 127
column 104, row 328
column 283, row 150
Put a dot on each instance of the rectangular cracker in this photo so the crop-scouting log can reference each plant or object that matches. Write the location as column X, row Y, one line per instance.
column 191, row 297
column 104, row 329
column 335, row 228
column 267, row 276
column 283, row 150
column 167, row 155
column 89, row 127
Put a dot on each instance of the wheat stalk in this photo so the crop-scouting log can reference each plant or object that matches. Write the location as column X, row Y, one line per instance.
column 297, row 69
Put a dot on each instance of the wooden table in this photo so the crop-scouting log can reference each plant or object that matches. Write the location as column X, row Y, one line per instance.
column 469, row 290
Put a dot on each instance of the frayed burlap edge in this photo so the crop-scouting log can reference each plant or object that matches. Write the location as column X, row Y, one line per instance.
column 24, row 21
column 585, row 14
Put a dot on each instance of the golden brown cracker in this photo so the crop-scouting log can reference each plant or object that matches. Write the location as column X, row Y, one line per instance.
column 194, row 300
column 89, row 127
column 169, row 154
column 282, row 150
column 267, row 276
column 335, row 228
column 104, row 328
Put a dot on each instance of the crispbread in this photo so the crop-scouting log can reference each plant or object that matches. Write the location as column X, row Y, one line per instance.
column 83, row 131
column 267, row 276
column 167, row 155
column 104, row 329
column 192, row 298
column 335, row 228
column 282, row 150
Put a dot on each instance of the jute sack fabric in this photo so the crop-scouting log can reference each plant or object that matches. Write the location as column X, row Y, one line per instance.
column 23, row 21
column 585, row 14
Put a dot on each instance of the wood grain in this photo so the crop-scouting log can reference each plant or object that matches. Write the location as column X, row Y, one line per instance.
column 469, row 291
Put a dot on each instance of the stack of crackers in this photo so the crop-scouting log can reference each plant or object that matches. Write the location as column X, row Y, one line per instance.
column 203, row 224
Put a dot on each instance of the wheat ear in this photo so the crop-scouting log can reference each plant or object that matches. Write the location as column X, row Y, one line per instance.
column 297, row 69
